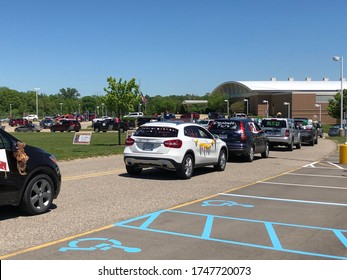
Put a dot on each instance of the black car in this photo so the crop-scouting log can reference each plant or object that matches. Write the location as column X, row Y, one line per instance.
column 242, row 136
column 66, row 125
column 309, row 133
column 29, row 127
column 110, row 124
column 29, row 176
column 47, row 122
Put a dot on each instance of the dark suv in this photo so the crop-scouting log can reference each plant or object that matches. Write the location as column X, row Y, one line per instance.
column 242, row 136
column 33, row 185
column 309, row 133
column 110, row 124
column 66, row 125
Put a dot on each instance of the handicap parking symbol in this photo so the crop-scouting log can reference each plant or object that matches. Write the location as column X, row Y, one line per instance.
column 104, row 245
column 221, row 203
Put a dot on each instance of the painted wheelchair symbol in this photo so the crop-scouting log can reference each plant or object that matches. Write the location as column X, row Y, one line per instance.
column 221, row 203
column 104, row 245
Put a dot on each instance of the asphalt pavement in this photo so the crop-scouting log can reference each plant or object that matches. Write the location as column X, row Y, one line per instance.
column 289, row 206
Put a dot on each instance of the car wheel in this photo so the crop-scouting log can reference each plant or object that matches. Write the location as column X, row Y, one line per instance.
column 186, row 169
column 312, row 142
column 316, row 140
column 133, row 170
column 250, row 156
column 222, row 160
column 52, row 130
column 38, row 195
column 265, row 154
column 291, row 146
column 97, row 130
column 298, row 145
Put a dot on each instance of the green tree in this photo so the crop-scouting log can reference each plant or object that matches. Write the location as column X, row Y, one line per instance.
column 69, row 93
column 122, row 96
column 334, row 107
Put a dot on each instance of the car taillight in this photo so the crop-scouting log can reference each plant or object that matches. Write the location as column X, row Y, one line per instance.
column 287, row 133
column 242, row 130
column 129, row 141
column 177, row 143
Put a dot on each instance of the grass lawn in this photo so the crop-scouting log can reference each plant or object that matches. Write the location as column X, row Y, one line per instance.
column 60, row 144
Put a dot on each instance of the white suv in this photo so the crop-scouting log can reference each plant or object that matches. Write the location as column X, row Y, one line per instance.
column 179, row 147
column 31, row 118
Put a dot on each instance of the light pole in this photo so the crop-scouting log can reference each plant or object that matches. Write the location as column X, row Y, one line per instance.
column 340, row 58
column 227, row 101
column 246, row 100
column 10, row 110
column 61, row 108
column 287, row 104
column 320, row 111
column 37, row 101
column 102, row 108
column 267, row 107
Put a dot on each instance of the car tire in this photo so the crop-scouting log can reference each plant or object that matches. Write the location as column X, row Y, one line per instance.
column 250, row 155
column 298, row 145
column 316, row 140
column 312, row 142
column 38, row 195
column 222, row 161
column 97, row 130
column 133, row 170
column 265, row 154
column 290, row 146
column 187, row 166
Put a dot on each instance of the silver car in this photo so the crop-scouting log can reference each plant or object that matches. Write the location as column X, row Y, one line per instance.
column 282, row 132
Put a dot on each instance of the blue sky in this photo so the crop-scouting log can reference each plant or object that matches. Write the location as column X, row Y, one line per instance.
column 169, row 46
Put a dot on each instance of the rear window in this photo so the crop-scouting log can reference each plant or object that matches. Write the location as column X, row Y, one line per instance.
column 152, row 131
column 226, row 125
column 274, row 123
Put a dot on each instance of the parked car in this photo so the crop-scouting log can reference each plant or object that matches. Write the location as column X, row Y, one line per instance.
column 175, row 146
column 134, row 115
column 205, row 123
column 31, row 118
column 242, row 136
column 308, row 131
column 335, row 130
column 29, row 127
column 110, row 124
column 282, row 132
column 101, row 119
column 47, row 122
column 190, row 116
column 33, row 185
column 66, row 125
column 15, row 122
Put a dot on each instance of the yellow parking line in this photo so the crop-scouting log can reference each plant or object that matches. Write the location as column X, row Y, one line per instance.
column 90, row 175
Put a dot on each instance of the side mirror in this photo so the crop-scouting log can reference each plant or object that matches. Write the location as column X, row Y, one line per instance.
column 14, row 146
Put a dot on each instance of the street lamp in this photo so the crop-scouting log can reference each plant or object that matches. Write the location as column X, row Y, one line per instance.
column 227, row 101
column 10, row 110
column 287, row 104
column 37, row 101
column 246, row 100
column 267, row 107
column 320, row 111
column 340, row 58
column 102, row 108
column 61, row 108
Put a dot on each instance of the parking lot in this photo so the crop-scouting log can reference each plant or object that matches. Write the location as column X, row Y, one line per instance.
column 289, row 206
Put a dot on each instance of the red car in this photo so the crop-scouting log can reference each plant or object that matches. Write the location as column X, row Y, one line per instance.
column 16, row 122
column 196, row 116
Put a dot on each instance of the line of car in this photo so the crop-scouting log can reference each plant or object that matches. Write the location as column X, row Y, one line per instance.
column 181, row 147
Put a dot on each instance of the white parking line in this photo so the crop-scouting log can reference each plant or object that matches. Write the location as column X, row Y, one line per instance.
column 301, row 185
column 333, row 164
column 286, row 200
column 315, row 175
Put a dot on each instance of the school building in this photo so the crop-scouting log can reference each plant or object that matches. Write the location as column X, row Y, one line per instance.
column 292, row 98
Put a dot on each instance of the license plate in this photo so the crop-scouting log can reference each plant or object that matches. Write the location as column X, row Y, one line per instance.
column 223, row 136
column 147, row 146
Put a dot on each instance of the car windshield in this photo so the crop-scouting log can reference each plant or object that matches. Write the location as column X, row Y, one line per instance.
column 153, row 131
column 226, row 125
column 274, row 123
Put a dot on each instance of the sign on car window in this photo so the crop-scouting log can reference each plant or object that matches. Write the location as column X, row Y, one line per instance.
column 230, row 125
column 151, row 131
